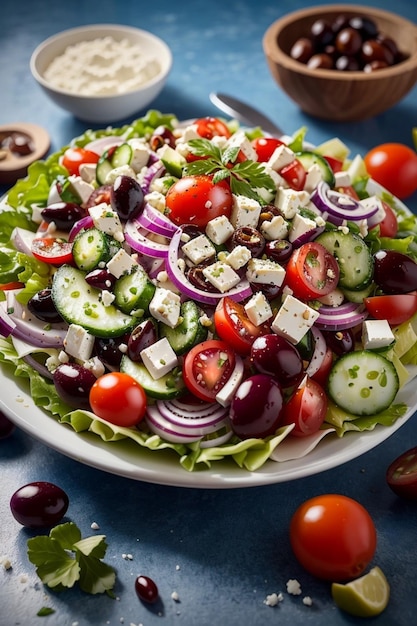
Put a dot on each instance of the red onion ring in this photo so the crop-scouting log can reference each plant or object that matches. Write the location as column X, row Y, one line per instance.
column 154, row 221
column 84, row 223
column 339, row 206
column 341, row 318
column 137, row 239
column 319, row 352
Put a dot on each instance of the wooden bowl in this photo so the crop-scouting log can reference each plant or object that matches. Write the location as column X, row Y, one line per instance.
column 334, row 94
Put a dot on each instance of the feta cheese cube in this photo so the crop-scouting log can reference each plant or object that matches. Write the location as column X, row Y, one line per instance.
column 258, row 309
column 300, row 225
column 221, row 276
column 238, row 257
column 265, row 271
column 159, row 358
column 219, row 229
column 165, row 306
column 88, row 172
column 199, row 249
column 122, row 263
column 293, row 319
column 342, row 179
column 313, row 177
column 290, row 201
column 107, row 220
column 78, row 342
column 156, row 199
column 80, row 187
column 282, row 156
column 140, row 154
column 276, row 228
column 239, row 140
column 245, row 212
column 376, row 334
column 122, row 170
column 190, row 132
column 370, row 203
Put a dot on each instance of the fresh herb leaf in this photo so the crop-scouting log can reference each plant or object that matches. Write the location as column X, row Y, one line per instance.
column 64, row 558
column 44, row 611
column 245, row 178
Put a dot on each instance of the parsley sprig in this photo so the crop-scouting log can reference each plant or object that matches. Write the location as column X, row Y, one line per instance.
column 245, row 177
column 64, row 558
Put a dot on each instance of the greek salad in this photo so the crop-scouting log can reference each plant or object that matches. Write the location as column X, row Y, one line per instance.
column 208, row 289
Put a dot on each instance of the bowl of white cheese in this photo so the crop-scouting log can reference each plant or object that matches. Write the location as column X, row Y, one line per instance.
column 102, row 73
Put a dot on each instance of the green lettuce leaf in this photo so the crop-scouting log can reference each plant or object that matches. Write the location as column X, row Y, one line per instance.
column 344, row 422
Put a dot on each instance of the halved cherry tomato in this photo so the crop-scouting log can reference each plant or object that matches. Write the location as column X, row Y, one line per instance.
column 333, row 537
column 294, row 175
column 207, row 367
column 51, row 250
column 312, row 271
column 265, row 147
column 388, row 226
column 306, row 408
column 209, row 127
column 396, row 308
column 394, row 166
column 197, row 200
column 401, row 475
column 234, row 326
column 335, row 164
column 119, row 399
column 74, row 157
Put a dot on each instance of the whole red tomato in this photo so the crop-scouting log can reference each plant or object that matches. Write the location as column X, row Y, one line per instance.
column 394, row 166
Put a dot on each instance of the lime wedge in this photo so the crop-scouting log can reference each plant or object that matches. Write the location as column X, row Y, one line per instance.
column 366, row 596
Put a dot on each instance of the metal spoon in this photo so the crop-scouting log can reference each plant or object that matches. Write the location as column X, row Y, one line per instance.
column 244, row 113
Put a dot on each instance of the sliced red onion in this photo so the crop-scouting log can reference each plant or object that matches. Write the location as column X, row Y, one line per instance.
column 102, row 144
column 156, row 170
column 154, row 221
column 308, row 236
column 84, row 223
column 16, row 320
column 340, row 318
column 137, row 239
column 240, row 292
column 187, row 433
column 39, row 367
column 320, row 349
column 209, row 415
column 340, row 206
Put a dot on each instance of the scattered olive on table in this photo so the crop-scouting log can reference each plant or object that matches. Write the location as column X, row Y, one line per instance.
column 146, row 589
column 39, row 504
column 401, row 475
column 346, row 43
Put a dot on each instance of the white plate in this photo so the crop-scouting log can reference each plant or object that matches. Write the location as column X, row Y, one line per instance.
column 126, row 458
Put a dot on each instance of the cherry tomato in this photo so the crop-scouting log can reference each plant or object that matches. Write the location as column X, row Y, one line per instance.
column 333, row 537
column 388, row 226
column 306, row 408
column 402, row 475
column 265, row 147
column 294, row 175
column 312, row 271
column 394, row 308
column 207, row 367
column 335, row 164
column 197, row 200
column 234, row 326
column 53, row 251
column 119, row 399
column 209, row 127
column 74, row 157
column 322, row 374
column 394, row 166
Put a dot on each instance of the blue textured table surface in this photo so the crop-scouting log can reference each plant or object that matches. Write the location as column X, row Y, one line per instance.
column 223, row 551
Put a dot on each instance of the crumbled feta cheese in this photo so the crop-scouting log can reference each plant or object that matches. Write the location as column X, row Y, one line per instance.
column 293, row 587
column 78, row 342
column 6, row 562
column 276, row 228
column 290, row 201
column 121, row 170
column 238, row 257
column 307, row 601
column 165, row 306
column 273, row 599
column 156, row 199
column 175, row 596
column 94, row 526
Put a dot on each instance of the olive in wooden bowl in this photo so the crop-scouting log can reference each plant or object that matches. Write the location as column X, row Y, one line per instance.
column 343, row 62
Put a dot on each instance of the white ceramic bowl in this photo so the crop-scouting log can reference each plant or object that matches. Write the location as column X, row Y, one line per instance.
column 102, row 108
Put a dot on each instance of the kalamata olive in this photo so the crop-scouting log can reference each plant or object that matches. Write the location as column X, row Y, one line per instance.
column 302, row 50
column 346, row 63
column 348, row 41
column 73, row 383
column 110, row 349
column 126, row 197
column 196, row 277
column 20, row 143
column 274, row 355
column 340, row 341
column 146, row 589
column 389, row 43
column 141, row 337
column 6, row 426
column 395, row 272
column 39, row 504
column 278, row 250
column 101, row 279
column 373, row 50
column 63, row 214
column 162, row 135
column 321, row 33
column 42, row 306
column 374, row 65
column 320, row 61
column 269, row 290
column 99, row 195
column 250, row 238
column 256, row 408
column 365, row 25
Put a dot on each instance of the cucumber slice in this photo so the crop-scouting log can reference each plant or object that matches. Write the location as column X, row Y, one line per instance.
column 90, row 247
column 189, row 332
column 112, row 158
column 173, row 161
column 79, row 303
column 134, row 291
column 122, row 155
column 169, row 386
column 363, row 382
column 355, row 259
column 308, row 158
